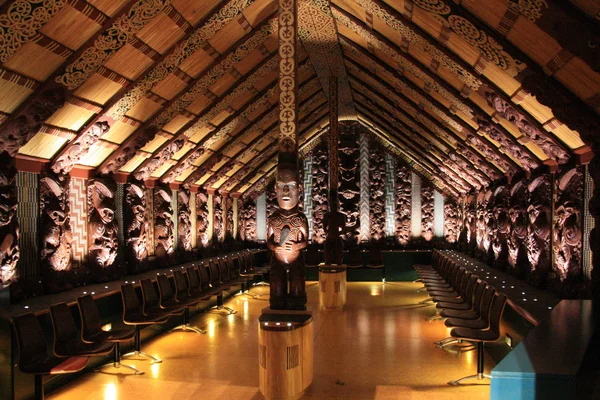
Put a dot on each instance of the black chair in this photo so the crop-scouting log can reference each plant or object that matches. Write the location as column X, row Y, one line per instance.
column 353, row 258
column 133, row 314
column 239, row 270
column 33, row 353
column 91, row 332
column 375, row 260
column 67, row 337
column 215, row 283
column 481, row 336
column 169, row 301
column 184, row 296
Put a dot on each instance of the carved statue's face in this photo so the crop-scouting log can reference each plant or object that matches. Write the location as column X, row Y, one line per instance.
column 106, row 214
column 287, row 191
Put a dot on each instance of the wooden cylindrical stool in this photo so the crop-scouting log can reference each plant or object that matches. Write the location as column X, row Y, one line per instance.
column 332, row 290
column 285, row 353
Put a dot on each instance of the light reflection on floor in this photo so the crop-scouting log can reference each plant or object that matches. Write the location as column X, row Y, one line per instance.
column 379, row 347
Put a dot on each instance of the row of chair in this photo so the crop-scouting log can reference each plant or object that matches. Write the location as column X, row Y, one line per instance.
column 73, row 347
column 471, row 307
column 352, row 257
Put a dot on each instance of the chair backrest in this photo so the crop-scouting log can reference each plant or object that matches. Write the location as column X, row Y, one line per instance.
column 496, row 312
column 165, row 289
column 181, row 285
column 223, row 269
column 31, row 341
column 250, row 259
column 353, row 256
column 375, row 255
column 131, row 301
column 204, row 277
column 215, row 274
column 63, row 325
column 231, row 267
column 486, row 303
column 312, row 256
column 192, row 279
column 149, row 295
column 468, row 294
column 478, row 293
column 243, row 263
column 90, row 317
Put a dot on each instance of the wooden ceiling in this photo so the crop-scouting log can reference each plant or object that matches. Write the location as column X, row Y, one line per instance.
column 185, row 91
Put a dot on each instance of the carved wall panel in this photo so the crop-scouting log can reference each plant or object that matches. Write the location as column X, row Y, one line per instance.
column 470, row 223
column 229, row 219
column 217, row 218
column 349, row 182
column 539, row 229
column 481, row 211
column 519, row 222
column 102, row 228
column 55, row 228
column 163, row 225
column 403, row 206
column 136, row 227
column 568, row 219
column 80, row 147
column 500, row 230
column 320, row 191
column 427, row 209
column 127, row 151
column 9, row 228
column 249, row 212
column 184, row 225
column 201, row 218
column 271, row 198
column 377, row 190
column 450, row 221
column 159, row 159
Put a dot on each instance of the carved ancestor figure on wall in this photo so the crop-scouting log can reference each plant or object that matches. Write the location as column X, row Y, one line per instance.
column 102, row 227
column 249, row 220
column 519, row 220
column 184, row 225
column 55, row 230
column 9, row 228
column 334, row 223
column 201, row 219
column 163, row 225
column 538, row 230
column 287, row 235
column 136, row 227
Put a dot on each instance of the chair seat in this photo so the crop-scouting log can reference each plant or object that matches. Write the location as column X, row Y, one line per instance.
column 448, row 299
column 117, row 335
column 56, row 366
column 139, row 318
column 82, row 349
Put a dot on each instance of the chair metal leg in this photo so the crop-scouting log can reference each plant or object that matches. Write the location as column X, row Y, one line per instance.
column 480, row 375
column 117, row 362
column 220, row 307
column 261, row 283
column 39, row 387
column 436, row 317
column 421, row 290
column 427, row 300
column 138, row 346
column 186, row 327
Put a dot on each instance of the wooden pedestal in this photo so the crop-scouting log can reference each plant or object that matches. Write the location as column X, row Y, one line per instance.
column 285, row 353
column 332, row 291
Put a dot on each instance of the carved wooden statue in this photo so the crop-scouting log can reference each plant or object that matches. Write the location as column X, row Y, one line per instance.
column 9, row 228
column 163, row 225
column 250, row 220
column 102, row 227
column 184, row 226
column 287, row 235
column 320, row 172
column 201, row 219
column 334, row 224
column 55, row 230
column 136, row 226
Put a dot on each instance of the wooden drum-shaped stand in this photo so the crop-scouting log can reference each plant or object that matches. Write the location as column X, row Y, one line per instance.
column 285, row 353
column 332, row 290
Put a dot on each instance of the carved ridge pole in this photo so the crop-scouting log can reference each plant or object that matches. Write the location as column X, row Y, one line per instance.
column 334, row 137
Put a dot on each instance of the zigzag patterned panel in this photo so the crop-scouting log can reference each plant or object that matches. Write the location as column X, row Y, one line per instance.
column 175, row 207
column 307, row 185
column 79, row 217
column 28, row 215
column 365, row 225
column 415, row 221
column 193, row 219
column 119, row 199
column 390, row 190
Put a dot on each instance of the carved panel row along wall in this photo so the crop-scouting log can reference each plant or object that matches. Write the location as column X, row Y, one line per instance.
column 349, row 182
column 184, row 226
column 403, row 205
column 249, row 218
column 376, row 190
column 202, row 218
column 320, row 192
column 427, row 212
column 218, row 218
column 137, row 227
column 163, row 226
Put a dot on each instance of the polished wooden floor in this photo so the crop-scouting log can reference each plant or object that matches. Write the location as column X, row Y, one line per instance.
column 379, row 347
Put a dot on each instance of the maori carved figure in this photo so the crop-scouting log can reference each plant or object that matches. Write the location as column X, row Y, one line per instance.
column 490, row 224
column 519, row 222
column 136, row 225
column 450, row 222
column 480, row 224
column 492, row 155
column 163, row 225
column 349, row 182
column 271, row 198
column 158, row 160
column 470, row 224
column 9, row 227
column 241, row 223
column 184, row 225
column 80, row 147
column 128, row 151
column 18, row 131
column 334, row 223
column 102, row 227
column 201, row 218
column 320, row 176
column 427, row 211
column 229, row 216
column 377, row 190
column 568, row 226
column 250, row 220
column 300, row 179
column 218, row 218
column 508, row 112
column 508, row 145
column 287, row 235
column 539, row 228
column 403, row 205
column 501, row 226
column 55, row 230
